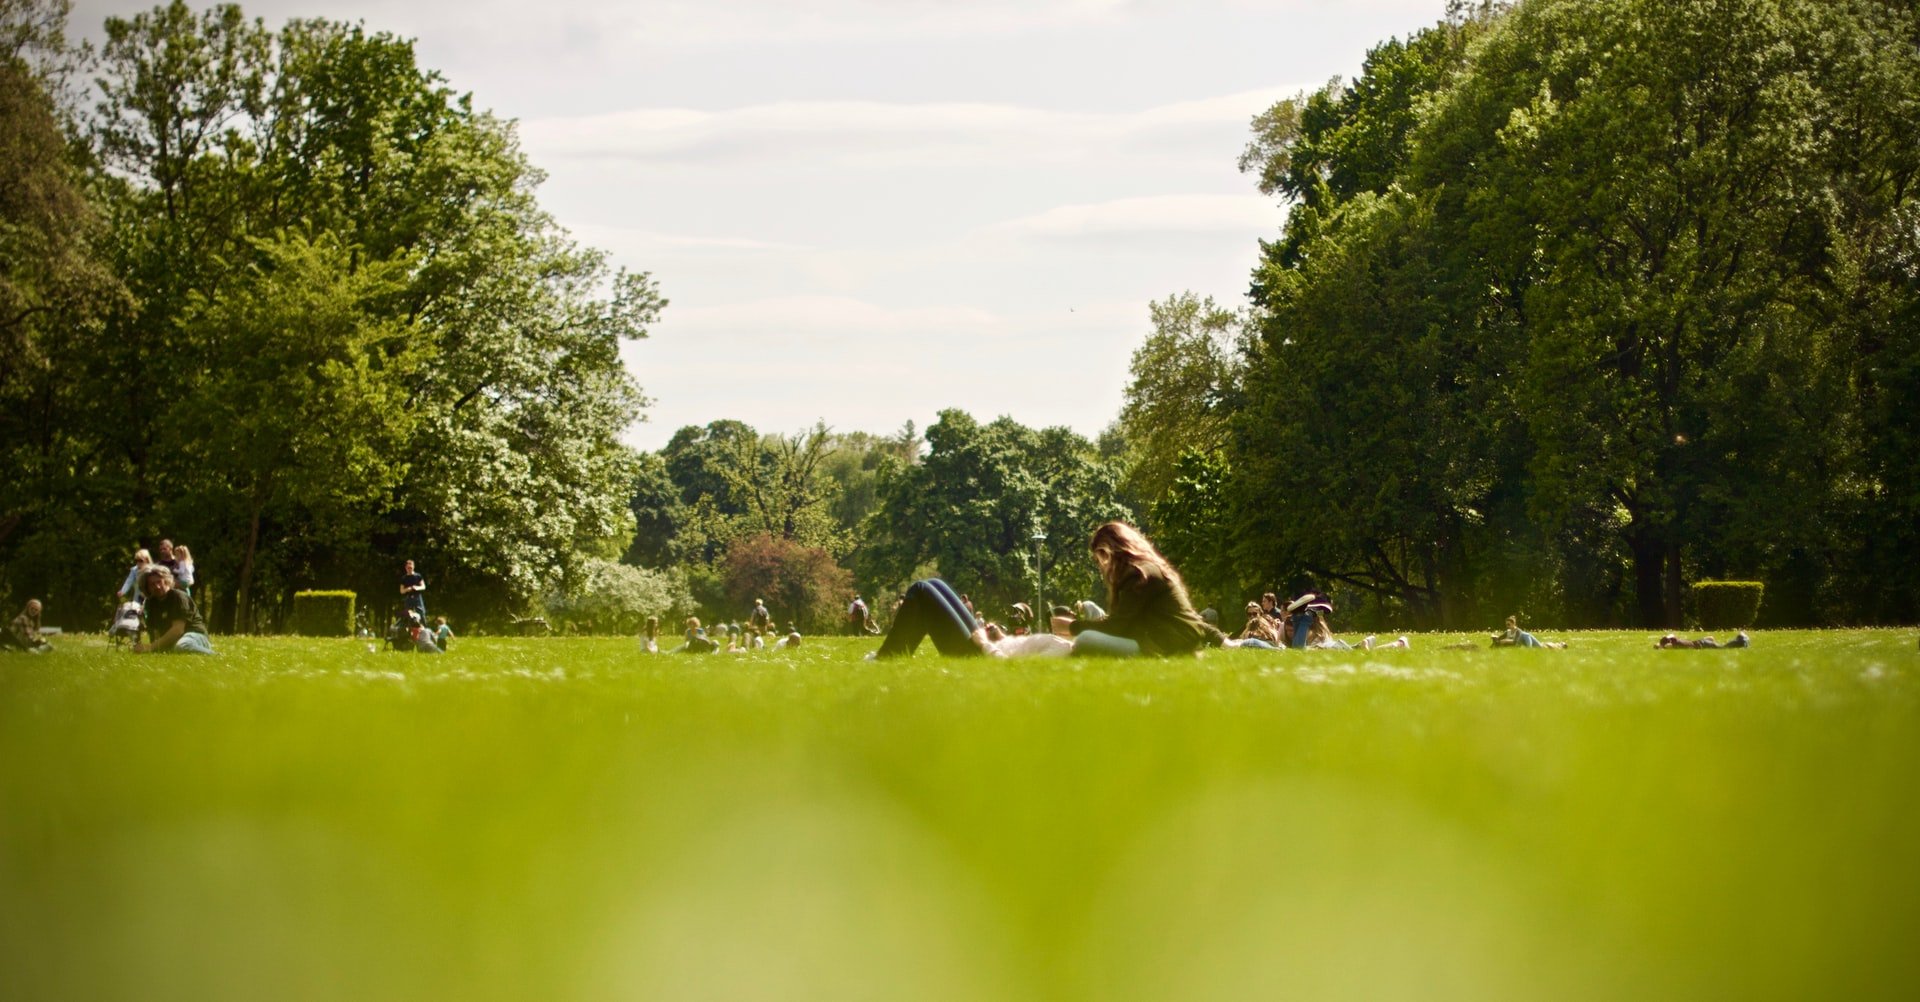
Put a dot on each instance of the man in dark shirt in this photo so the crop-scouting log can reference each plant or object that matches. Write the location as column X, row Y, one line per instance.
column 173, row 624
column 412, row 589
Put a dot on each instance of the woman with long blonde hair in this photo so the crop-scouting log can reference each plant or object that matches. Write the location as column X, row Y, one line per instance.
column 1149, row 611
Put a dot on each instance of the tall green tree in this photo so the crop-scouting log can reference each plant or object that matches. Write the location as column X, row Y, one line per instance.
column 308, row 408
column 971, row 508
column 1665, row 191
column 1183, row 387
column 56, row 289
column 501, row 341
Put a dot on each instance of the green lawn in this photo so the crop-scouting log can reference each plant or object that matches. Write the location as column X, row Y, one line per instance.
column 570, row 819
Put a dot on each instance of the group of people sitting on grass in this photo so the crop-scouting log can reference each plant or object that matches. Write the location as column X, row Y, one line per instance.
column 1302, row 625
column 729, row 638
column 410, row 632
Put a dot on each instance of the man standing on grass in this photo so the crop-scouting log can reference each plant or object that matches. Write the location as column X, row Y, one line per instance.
column 412, row 587
column 857, row 616
column 173, row 624
column 760, row 619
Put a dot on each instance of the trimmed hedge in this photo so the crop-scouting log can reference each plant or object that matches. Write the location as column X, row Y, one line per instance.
column 323, row 613
column 1727, row 605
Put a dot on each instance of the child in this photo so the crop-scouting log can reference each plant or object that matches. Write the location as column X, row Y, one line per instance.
column 442, row 633
column 697, row 642
column 183, row 568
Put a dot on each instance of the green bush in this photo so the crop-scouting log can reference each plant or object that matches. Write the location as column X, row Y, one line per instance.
column 1727, row 605
column 323, row 613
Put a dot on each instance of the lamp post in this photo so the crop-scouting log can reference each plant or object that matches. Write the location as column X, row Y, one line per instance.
column 1040, row 568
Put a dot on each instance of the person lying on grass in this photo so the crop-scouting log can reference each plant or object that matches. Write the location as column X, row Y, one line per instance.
column 173, row 624
column 932, row 610
column 1672, row 641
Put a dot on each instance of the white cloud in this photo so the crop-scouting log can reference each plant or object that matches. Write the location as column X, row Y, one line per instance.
column 832, row 316
column 779, row 364
column 882, row 134
column 1151, row 215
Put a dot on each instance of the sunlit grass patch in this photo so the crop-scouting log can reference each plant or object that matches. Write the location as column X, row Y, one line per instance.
column 569, row 818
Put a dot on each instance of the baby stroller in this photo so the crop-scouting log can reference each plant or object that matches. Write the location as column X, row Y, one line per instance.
column 125, row 624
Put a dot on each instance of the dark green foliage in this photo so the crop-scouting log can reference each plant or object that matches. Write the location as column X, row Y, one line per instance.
column 322, row 614
column 970, row 509
column 1727, row 605
column 1583, row 299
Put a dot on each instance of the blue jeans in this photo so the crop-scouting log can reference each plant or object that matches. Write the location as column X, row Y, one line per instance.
column 1097, row 644
column 192, row 643
column 1259, row 645
column 1527, row 639
column 931, row 610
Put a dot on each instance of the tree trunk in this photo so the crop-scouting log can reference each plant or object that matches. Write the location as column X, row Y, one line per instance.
column 1649, row 559
column 1675, row 590
column 244, row 592
column 243, row 601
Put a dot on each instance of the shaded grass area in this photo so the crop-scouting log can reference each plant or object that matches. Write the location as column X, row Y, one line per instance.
column 563, row 818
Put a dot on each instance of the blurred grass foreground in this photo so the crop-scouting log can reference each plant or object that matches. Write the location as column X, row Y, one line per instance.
column 571, row 819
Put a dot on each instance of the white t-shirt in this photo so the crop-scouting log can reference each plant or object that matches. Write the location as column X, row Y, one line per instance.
column 1033, row 645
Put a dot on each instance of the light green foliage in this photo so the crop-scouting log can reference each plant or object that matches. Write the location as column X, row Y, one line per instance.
column 457, row 391
column 1184, row 384
column 603, row 596
column 571, row 819
column 971, row 507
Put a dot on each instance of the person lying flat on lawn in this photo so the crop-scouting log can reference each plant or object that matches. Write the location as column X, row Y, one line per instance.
column 1672, row 641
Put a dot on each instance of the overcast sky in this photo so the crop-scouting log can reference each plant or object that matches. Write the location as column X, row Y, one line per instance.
column 866, row 211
